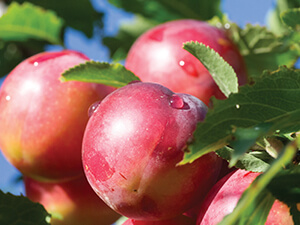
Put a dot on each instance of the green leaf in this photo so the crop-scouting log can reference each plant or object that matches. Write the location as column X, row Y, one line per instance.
column 273, row 98
column 256, row 201
column 222, row 73
column 100, row 72
column 261, row 49
column 20, row 210
column 165, row 10
column 291, row 18
column 244, row 138
column 295, row 212
column 254, row 213
column 79, row 14
column 290, row 191
column 10, row 56
column 255, row 161
column 26, row 21
column 274, row 19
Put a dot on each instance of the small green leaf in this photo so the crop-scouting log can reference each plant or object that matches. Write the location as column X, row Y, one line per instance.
column 79, row 14
column 26, row 21
column 274, row 98
column 244, row 138
column 220, row 70
column 290, row 191
column 165, row 10
column 274, row 17
column 20, row 210
column 100, row 72
column 261, row 48
column 256, row 212
column 291, row 17
column 255, row 161
column 256, row 201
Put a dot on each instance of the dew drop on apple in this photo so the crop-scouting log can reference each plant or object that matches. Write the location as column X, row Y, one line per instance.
column 176, row 102
column 227, row 26
column 93, row 108
column 219, row 25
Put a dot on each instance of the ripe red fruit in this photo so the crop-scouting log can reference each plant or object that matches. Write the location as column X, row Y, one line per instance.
column 223, row 197
column 158, row 56
column 42, row 120
column 180, row 220
column 131, row 148
column 72, row 202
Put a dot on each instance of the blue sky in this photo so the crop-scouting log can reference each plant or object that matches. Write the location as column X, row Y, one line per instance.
column 241, row 12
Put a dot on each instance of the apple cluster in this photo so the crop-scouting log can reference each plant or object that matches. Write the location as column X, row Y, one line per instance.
column 91, row 153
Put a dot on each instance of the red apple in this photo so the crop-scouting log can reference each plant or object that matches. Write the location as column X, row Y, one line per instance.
column 131, row 148
column 73, row 202
column 180, row 220
column 42, row 120
column 158, row 56
column 223, row 197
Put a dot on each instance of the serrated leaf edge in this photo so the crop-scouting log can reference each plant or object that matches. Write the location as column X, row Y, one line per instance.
column 223, row 87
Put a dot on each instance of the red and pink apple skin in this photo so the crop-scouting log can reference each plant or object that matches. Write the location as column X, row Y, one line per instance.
column 225, row 194
column 131, row 148
column 70, row 203
column 158, row 56
column 179, row 220
column 42, row 119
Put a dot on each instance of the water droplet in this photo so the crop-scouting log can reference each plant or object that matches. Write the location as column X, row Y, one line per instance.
column 93, row 108
column 48, row 219
column 35, row 63
column 7, row 98
column 227, row 26
column 176, row 102
column 181, row 63
column 218, row 24
column 237, row 106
